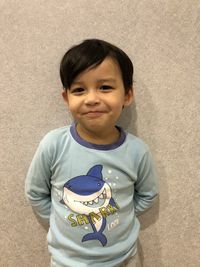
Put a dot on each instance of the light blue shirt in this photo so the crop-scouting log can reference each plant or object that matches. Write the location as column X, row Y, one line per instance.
column 91, row 194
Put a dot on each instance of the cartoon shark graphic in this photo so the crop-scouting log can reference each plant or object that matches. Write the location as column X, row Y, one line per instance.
column 88, row 194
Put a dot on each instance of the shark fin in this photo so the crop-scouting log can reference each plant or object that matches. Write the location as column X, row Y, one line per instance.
column 96, row 171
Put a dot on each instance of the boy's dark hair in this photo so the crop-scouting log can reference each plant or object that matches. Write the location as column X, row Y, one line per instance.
column 91, row 53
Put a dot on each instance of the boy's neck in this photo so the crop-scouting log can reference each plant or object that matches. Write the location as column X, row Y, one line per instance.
column 99, row 138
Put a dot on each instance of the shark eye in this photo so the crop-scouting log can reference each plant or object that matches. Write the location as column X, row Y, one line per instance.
column 99, row 184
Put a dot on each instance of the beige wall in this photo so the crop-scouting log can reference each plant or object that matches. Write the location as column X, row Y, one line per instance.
column 163, row 39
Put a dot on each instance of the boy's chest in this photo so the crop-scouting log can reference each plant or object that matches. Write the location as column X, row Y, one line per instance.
column 90, row 177
column 92, row 193
column 83, row 168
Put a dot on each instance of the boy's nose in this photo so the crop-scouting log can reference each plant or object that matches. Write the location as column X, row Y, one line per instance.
column 92, row 98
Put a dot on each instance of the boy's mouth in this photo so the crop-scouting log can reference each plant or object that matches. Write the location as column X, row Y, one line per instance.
column 94, row 114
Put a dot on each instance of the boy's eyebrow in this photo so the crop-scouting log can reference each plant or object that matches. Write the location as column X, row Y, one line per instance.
column 98, row 81
column 106, row 80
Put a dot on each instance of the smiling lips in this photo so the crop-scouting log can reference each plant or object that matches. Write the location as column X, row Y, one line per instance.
column 94, row 114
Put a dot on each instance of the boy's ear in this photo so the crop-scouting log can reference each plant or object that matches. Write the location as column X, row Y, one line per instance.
column 65, row 96
column 129, row 97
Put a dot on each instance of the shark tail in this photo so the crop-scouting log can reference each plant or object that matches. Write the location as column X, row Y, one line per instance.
column 95, row 236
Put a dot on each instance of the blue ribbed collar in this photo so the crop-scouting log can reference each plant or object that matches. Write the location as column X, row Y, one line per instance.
column 84, row 143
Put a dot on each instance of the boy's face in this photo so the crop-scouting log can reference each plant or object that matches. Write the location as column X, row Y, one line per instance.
column 96, row 99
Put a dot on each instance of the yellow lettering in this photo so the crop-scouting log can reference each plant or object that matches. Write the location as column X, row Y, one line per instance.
column 94, row 216
column 81, row 219
column 104, row 212
column 73, row 222
column 112, row 209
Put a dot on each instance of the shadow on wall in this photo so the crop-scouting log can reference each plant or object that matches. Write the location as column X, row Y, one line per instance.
column 128, row 121
column 146, row 219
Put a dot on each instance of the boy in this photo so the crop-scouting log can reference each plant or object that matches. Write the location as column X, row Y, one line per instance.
column 91, row 179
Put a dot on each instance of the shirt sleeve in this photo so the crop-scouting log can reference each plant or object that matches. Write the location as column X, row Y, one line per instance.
column 146, row 186
column 37, row 183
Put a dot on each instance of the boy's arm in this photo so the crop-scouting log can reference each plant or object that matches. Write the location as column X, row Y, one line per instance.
column 146, row 186
column 37, row 184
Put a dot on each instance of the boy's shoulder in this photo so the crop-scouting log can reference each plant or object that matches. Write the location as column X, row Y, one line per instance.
column 58, row 131
column 136, row 143
column 55, row 135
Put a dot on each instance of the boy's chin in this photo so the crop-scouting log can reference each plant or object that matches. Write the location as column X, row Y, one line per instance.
column 94, row 132
column 94, row 126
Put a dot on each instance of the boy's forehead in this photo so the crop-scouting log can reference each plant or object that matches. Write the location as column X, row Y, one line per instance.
column 107, row 71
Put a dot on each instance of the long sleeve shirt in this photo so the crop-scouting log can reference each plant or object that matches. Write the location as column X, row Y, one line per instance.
column 91, row 194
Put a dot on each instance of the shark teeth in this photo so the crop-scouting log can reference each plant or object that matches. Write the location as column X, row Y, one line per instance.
column 96, row 200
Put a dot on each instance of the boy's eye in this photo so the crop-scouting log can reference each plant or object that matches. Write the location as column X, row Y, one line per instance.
column 105, row 87
column 77, row 91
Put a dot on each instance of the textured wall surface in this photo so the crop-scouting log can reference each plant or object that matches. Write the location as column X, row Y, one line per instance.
column 163, row 39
